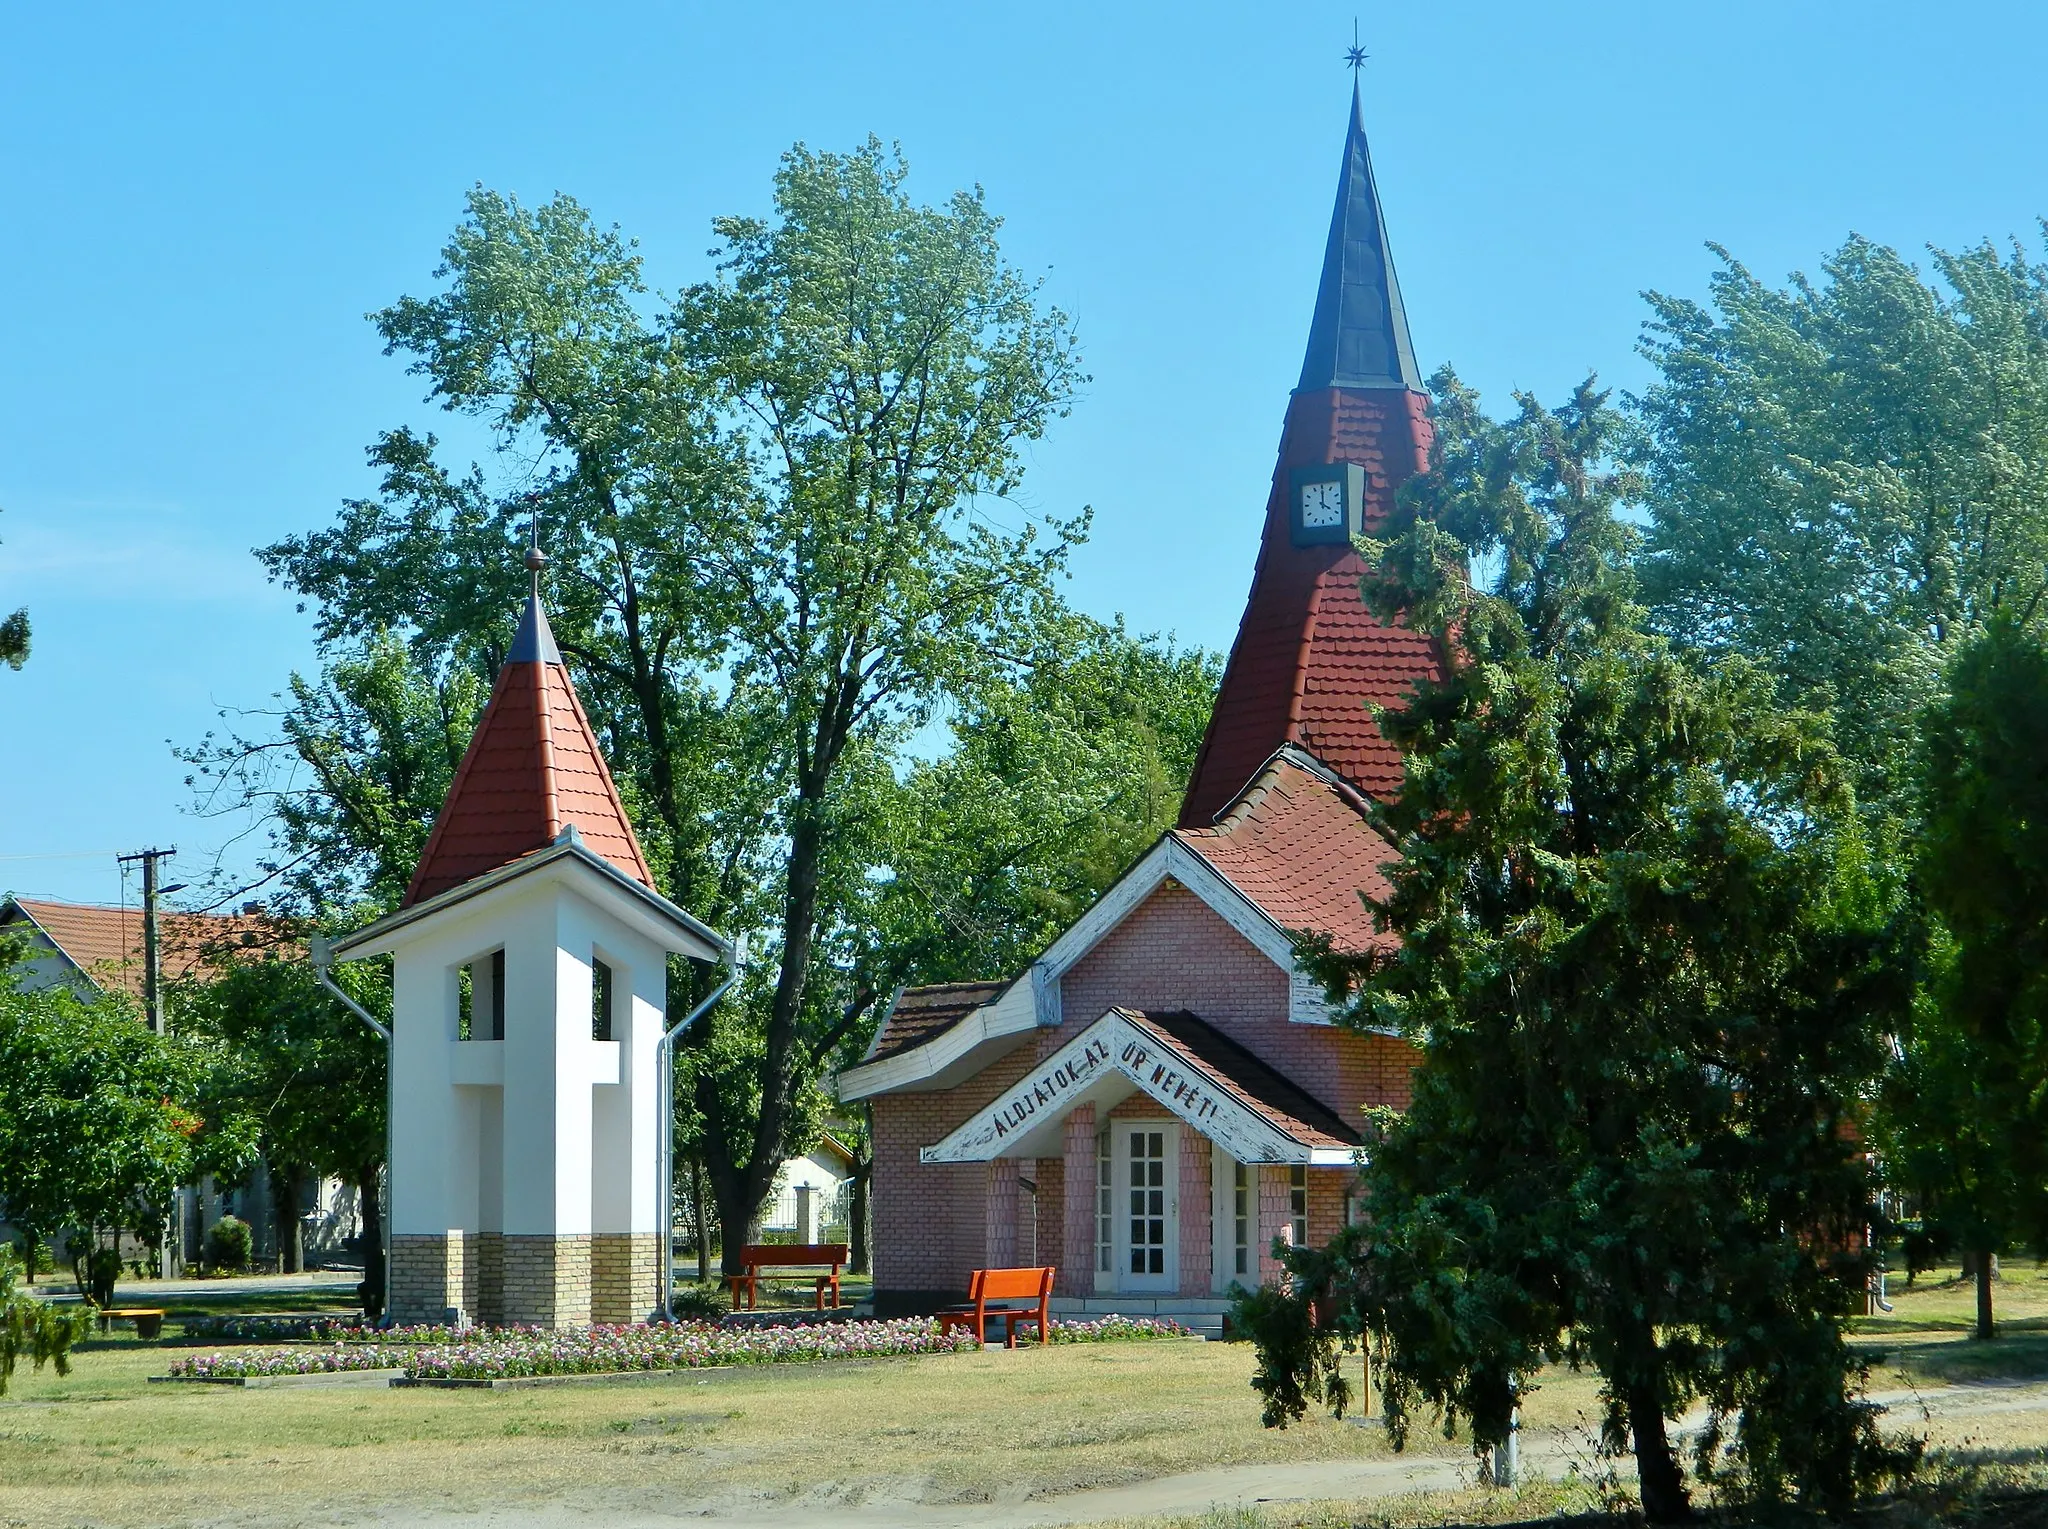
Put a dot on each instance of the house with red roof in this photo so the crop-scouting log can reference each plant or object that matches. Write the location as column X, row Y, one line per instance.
column 1163, row 1092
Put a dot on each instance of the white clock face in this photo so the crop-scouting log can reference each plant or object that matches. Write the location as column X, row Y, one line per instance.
column 1322, row 504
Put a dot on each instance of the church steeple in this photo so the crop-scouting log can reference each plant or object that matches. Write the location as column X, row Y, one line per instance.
column 1310, row 661
column 1359, row 336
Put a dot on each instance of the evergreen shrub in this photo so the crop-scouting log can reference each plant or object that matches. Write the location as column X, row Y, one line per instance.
column 229, row 1244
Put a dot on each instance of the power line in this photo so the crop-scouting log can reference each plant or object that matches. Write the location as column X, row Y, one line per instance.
column 65, row 854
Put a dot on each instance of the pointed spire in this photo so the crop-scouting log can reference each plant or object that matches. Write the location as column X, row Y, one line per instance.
column 1359, row 336
column 532, row 774
column 534, row 640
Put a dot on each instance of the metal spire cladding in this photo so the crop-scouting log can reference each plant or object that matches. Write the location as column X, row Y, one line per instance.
column 1310, row 661
column 533, row 768
column 1359, row 336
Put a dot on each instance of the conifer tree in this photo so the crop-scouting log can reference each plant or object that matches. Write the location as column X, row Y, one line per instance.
column 1970, row 1096
column 1648, row 972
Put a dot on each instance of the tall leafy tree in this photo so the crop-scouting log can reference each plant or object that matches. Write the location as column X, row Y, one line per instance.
column 1053, row 785
column 1970, row 1096
column 1847, row 476
column 766, row 503
column 304, row 1072
column 1647, row 973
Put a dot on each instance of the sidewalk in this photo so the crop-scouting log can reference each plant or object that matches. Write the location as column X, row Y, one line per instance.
column 143, row 1292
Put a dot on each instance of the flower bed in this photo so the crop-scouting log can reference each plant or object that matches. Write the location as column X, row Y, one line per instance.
column 507, row 1353
column 1118, row 1330
column 290, row 1361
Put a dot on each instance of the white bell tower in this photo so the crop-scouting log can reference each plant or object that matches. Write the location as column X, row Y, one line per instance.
column 530, row 998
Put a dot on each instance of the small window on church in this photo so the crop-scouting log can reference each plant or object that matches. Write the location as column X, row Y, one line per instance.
column 497, row 1003
column 600, row 1001
column 1241, row 1217
column 1105, row 1204
column 480, row 998
column 1297, row 1206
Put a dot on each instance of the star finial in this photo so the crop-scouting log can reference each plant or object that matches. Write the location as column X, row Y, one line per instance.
column 1355, row 55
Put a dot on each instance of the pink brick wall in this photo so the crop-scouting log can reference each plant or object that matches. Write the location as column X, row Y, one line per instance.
column 1002, row 1213
column 1050, row 1207
column 1276, row 1212
column 1077, row 1269
column 1174, row 952
column 1197, row 1251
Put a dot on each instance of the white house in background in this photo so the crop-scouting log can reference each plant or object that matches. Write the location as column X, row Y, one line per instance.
column 530, row 974
column 810, row 1191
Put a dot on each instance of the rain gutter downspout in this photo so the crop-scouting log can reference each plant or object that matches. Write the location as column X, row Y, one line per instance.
column 666, row 1143
column 320, row 951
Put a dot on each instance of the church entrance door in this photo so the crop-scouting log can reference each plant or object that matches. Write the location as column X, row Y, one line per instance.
column 1148, row 1208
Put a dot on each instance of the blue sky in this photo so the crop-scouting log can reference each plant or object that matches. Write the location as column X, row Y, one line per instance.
column 201, row 204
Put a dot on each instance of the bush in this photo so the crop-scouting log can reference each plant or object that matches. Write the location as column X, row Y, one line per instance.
column 228, row 1244
column 696, row 1303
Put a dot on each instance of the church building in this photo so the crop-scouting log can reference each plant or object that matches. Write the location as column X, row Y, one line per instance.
column 1163, row 1091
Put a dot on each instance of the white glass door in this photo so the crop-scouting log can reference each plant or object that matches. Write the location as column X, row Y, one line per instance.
column 1147, row 1193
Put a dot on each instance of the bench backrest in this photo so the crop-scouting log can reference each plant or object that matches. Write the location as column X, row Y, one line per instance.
column 782, row 1255
column 1009, row 1284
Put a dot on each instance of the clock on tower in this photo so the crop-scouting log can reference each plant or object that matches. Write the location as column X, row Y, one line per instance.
column 1324, row 503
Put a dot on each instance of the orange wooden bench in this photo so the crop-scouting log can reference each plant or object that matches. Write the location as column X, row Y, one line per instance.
column 1003, row 1285
column 148, row 1320
column 756, row 1256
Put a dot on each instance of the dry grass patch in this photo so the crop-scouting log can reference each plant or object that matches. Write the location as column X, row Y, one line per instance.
column 103, row 1446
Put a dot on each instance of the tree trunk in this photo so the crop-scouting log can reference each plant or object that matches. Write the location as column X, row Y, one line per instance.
column 703, row 1221
column 735, row 1219
column 1657, row 1474
column 284, row 1220
column 857, row 1217
column 373, row 1243
column 1987, row 1270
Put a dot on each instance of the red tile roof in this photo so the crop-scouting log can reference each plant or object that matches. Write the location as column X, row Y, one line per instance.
column 922, row 1014
column 1309, row 658
column 1240, row 1073
column 533, row 767
column 106, row 943
column 1298, row 845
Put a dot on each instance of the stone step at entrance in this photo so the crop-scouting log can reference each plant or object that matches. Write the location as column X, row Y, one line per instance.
column 1204, row 1314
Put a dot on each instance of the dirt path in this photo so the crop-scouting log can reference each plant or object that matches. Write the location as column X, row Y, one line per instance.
column 1190, row 1493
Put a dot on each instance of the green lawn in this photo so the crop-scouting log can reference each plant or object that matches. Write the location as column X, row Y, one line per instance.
column 1925, row 1339
column 105, row 1447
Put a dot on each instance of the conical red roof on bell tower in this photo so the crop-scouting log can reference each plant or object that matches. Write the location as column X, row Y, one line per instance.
column 1310, row 659
column 533, row 767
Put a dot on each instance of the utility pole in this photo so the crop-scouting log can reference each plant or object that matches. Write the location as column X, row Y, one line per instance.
column 152, row 941
column 169, row 1246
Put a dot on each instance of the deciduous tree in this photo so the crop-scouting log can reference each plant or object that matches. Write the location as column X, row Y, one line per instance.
column 1848, row 476
column 769, row 509
column 100, row 1119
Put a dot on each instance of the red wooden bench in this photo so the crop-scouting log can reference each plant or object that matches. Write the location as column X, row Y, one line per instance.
column 756, row 1256
column 1003, row 1285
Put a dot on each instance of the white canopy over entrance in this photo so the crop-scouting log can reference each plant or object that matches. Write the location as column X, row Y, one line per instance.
column 1122, row 1053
